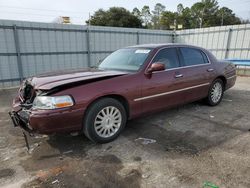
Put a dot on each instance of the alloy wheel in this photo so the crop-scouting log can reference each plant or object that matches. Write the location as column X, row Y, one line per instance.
column 216, row 92
column 108, row 121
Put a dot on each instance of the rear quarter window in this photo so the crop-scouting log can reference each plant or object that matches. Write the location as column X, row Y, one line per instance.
column 193, row 56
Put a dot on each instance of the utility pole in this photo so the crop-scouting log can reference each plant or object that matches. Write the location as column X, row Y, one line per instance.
column 201, row 19
column 222, row 18
column 175, row 25
column 89, row 19
column 174, row 35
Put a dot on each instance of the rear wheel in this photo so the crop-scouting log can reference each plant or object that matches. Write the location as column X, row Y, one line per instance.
column 216, row 92
column 104, row 120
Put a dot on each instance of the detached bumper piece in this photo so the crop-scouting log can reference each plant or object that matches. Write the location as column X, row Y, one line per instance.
column 21, row 122
column 21, row 119
column 14, row 117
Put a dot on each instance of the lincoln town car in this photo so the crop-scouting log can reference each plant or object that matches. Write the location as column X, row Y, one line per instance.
column 131, row 82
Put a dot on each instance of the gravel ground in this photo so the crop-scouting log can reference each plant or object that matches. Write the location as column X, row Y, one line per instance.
column 184, row 147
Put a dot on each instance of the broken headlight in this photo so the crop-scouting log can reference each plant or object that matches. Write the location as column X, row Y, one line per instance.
column 52, row 102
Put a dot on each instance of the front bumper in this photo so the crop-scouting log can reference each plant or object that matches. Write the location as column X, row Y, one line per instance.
column 48, row 121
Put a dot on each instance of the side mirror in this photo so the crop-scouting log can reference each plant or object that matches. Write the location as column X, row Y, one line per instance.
column 154, row 67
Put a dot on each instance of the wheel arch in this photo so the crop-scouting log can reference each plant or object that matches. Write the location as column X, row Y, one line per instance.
column 224, row 80
column 117, row 97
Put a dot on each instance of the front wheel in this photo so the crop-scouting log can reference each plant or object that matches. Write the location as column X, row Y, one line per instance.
column 104, row 120
column 215, row 93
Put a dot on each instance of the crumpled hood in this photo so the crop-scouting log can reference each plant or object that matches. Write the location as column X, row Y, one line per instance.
column 55, row 79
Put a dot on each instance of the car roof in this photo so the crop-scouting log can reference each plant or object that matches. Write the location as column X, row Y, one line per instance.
column 153, row 46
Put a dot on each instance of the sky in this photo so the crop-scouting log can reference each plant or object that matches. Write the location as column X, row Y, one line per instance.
column 79, row 10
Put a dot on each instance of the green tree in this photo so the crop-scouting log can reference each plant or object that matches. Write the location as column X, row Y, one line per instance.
column 180, row 9
column 136, row 12
column 116, row 17
column 183, row 16
column 99, row 18
column 158, row 9
column 204, row 13
column 197, row 14
column 245, row 21
column 227, row 17
column 186, row 18
column 167, row 19
column 146, row 16
column 210, row 11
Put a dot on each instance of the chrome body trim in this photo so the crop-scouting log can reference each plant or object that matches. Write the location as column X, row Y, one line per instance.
column 170, row 92
column 231, row 77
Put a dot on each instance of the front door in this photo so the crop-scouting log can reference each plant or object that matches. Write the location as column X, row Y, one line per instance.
column 158, row 88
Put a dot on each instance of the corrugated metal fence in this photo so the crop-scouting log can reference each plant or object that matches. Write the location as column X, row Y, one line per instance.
column 224, row 42
column 28, row 48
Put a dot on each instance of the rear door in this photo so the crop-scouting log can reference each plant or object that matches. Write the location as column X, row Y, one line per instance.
column 197, row 72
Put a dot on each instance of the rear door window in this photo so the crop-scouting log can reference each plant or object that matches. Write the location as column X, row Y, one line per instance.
column 193, row 56
column 168, row 57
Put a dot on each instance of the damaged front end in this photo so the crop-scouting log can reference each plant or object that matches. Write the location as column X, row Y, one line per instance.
column 39, row 111
column 21, row 106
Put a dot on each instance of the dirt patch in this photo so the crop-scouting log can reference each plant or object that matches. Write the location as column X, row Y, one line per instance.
column 101, row 171
column 167, row 141
column 3, row 142
column 137, row 158
column 4, row 173
column 56, row 150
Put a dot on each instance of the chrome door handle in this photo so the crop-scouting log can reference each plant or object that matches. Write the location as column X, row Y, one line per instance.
column 210, row 70
column 178, row 75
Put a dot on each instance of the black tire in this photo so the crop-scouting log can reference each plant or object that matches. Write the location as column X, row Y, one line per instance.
column 89, row 127
column 210, row 101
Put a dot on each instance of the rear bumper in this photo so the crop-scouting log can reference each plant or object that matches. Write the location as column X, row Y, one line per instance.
column 49, row 121
column 230, row 81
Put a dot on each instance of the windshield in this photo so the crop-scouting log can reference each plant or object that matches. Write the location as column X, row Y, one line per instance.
column 129, row 59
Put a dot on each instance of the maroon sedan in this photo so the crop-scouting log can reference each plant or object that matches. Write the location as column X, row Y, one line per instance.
column 130, row 82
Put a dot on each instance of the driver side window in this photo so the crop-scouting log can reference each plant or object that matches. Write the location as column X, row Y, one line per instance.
column 168, row 57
